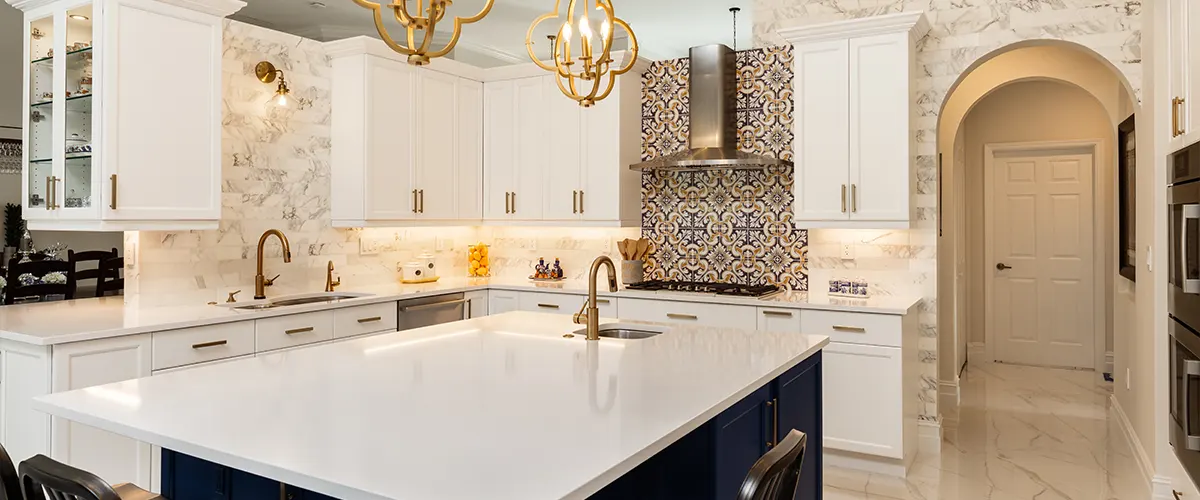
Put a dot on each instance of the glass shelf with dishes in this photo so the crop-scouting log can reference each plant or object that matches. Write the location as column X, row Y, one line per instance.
column 40, row 129
column 77, row 173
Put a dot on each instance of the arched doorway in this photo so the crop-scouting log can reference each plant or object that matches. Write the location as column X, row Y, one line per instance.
column 1029, row 69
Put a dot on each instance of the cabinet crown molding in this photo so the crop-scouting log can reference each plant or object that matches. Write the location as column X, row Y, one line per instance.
column 219, row 8
column 915, row 23
column 365, row 45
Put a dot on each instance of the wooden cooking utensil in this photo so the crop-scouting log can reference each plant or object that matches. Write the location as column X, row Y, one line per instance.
column 643, row 247
column 623, row 247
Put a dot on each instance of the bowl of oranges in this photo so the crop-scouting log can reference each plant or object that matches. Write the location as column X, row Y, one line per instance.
column 478, row 263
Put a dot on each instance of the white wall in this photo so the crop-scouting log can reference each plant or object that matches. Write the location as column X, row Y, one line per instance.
column 1028, row 112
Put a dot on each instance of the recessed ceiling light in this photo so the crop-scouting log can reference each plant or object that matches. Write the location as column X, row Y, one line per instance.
column 79, row 17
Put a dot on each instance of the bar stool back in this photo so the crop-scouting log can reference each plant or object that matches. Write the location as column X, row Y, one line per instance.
column 10, row 484
column 43, row 477
column 776, row 475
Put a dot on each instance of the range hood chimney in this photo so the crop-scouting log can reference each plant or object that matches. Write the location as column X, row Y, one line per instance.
column 712, row 135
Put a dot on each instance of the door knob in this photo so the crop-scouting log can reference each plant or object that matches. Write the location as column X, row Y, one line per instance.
column 1002, row 266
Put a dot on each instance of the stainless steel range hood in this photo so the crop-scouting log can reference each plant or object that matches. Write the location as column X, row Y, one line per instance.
column 712, row 135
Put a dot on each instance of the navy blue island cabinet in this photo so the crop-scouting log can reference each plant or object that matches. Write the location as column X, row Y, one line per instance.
column 708, row 463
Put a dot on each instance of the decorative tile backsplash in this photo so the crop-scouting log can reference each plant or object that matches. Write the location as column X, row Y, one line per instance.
column 723, row 225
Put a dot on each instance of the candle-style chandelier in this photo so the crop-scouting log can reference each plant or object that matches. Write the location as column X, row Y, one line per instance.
column 420, row 29
column 586, row 76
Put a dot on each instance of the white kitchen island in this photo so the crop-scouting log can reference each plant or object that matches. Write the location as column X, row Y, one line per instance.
column 499, row 407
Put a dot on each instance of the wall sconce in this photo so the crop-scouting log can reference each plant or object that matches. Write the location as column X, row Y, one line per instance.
column 266, row 73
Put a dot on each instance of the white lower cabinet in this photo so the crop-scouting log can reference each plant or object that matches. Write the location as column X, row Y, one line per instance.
column 293, row 330
column 77, row 365
column 364, row 320
column 698, row 313
column 564, row 303
column 187, row 346
column 863, row 407
column 25, row 375
column 502, row 301
column 771, row 319
column 477, row 303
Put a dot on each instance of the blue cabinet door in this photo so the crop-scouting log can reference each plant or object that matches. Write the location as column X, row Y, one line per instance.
column 740, row 436
column 186, row 477
column 797, row 398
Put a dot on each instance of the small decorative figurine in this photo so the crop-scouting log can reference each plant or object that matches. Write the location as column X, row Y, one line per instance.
column 557, row 272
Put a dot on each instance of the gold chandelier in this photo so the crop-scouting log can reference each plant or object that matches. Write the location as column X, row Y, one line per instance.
column 420, row 29
column 588, row 76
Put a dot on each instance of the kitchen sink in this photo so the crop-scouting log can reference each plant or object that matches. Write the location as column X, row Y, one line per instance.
column 293, row 300
column 625, row 331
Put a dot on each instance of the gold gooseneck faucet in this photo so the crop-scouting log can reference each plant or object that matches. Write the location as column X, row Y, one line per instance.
column 589, row 313
column 260, row 281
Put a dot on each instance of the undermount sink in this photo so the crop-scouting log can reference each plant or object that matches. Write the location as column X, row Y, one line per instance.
column 625, row 331
column 293, row 300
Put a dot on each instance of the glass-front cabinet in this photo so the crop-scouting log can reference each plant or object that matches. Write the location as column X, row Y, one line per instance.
column 124, row 136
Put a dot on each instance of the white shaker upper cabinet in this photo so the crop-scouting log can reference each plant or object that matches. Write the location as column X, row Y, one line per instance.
column 550, row 161
column 854, row 119
column 1183, row 51
column 406, row 140
column 108, row 144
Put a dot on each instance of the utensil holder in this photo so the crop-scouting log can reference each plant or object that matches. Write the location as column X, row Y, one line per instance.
column 633, row 271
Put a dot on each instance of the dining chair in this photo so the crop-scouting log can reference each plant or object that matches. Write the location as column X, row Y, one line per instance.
column 111, row 280
column 44, row 477
column 15, row 292
column 776, row 475
column 10, row 484
column 91, row 273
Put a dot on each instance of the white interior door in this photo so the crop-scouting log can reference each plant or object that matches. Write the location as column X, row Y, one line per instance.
column 1039, row 251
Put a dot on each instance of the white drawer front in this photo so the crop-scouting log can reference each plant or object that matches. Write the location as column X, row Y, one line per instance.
column 853, row 328
column 697, row 313
column 188, row 346
column 773, row 319
column 361, row 320
column 558, row 303
column 863, row 399
column 502, row 301
column 293, row 330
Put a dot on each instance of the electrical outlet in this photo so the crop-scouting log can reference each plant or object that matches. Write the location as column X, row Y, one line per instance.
column 847, row 252
column 1149, row 258
column 1128, row 385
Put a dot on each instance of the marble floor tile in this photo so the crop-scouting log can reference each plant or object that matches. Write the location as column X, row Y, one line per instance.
column 1021, row 433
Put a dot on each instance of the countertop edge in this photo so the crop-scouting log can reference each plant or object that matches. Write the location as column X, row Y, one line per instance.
column 14, row 336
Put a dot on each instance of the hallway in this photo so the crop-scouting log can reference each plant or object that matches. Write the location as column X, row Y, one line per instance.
column 1023, row 433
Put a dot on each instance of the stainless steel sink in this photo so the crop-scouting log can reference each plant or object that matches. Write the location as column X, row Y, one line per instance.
column 294, row 300
column 625, row 331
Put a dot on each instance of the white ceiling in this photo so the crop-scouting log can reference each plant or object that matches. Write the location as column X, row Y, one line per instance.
column 665, row 29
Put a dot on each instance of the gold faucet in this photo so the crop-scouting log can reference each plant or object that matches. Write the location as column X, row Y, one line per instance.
column 260, row 281
column 589, row 313
column 329, row 283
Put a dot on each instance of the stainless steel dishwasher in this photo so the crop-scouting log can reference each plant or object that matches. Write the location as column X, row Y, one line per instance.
column 428, row 311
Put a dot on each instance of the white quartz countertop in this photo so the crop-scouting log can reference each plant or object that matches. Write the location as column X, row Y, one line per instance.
column 499, row 407
column 50, row 323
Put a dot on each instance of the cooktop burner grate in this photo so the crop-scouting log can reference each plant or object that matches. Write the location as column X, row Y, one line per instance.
column 706, row 287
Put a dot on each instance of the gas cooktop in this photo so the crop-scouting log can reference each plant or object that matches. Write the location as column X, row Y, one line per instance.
column 706, row 287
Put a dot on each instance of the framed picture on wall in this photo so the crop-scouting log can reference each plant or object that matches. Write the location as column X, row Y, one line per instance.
column 1126, row 199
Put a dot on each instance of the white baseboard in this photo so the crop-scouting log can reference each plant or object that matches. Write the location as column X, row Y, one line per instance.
column 1160, row 488
column 929, row 438
column 949, row 396
column 1139, row 453
column 866, row 463
column 1108, row 362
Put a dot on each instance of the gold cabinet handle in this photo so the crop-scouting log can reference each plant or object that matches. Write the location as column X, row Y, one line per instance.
column 56, row 181
column 548, row 306
column 581, row 202
column 603, row 301
column 775, row 422
column 1182, row 129
column 1174, row 117
column 682, row 316
column 514, row 202
column 854, row 197
column 782, row 314
column 852, row 329
column 421, row 194
column 299, row 330
column 216, row 343
column 507, row 202
column 574, row 202
column 843, row 198
column 414, row 201
column 112, row 202
column 370, row 320
column 49, row 189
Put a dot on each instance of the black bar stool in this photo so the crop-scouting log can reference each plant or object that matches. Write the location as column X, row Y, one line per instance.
column 776, row 475
column 10, row 484
column 45, row 478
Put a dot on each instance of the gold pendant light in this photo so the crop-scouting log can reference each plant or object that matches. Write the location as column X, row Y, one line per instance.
column 420, row 29
column 587, row 76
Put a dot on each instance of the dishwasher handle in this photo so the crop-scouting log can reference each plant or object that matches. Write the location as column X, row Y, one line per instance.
column 437, row 305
